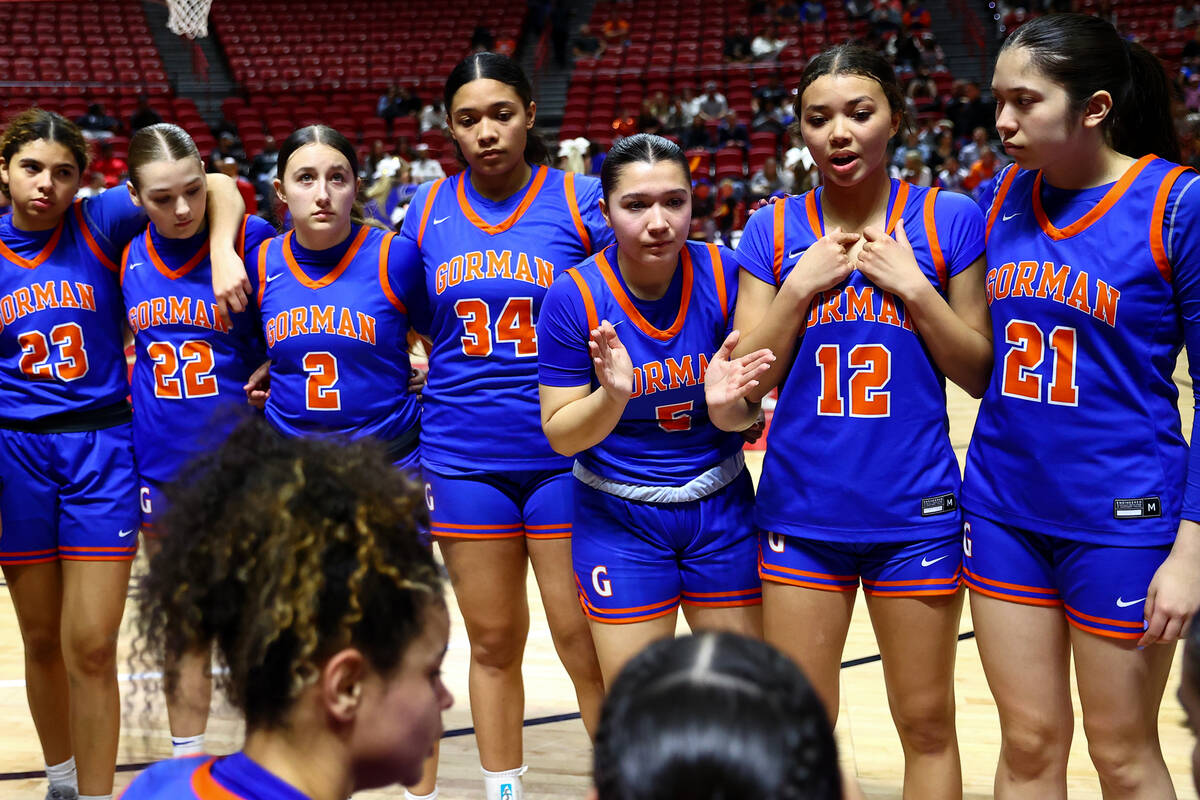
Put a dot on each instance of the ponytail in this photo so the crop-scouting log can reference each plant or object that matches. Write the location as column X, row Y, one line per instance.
column 1143, row 122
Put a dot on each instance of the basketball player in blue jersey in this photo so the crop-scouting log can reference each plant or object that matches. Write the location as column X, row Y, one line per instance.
column 326, row 610
column 870, row 292
column 663, row 499
column 1079, row 495
column 68, row 487
column 492, row 239
column 190, row 365
column 334, row 298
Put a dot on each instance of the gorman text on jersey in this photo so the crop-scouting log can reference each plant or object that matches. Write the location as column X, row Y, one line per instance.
column 176, row 311
column 40, row 296
column 854, row 303
column 301, row 320
column 477, row 265
column 1048, row 280
column 659, row 376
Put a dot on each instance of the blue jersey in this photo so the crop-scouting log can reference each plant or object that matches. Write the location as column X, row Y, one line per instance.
column 61, row 336
column 1078, row 433
column 664, row 437
column 336, row 329
column 190, row 363
column 202, row 777
column 487, row 267
column 859, row 449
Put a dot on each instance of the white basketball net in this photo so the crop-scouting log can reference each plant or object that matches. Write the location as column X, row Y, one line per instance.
column 188, row 17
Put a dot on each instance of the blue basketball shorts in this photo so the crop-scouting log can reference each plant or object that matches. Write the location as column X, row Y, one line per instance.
column 1101, row 588
column 888, row 569
column 153, row 503
column 500, row 505
column 71, row 496
column 635, row 561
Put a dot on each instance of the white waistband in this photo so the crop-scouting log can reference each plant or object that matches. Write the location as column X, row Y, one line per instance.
column 704, row 484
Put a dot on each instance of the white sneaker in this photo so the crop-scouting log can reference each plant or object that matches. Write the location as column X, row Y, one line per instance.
column 61, row 793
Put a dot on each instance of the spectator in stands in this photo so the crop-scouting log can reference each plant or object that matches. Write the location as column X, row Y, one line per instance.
column 902, row 50
column 737, row 46
column 113, row 169
column 482, row 40
column 371, row 163
column 616, row 27
column 812, row 12
column 973, row 151
column 425, row 168
column 712, row 104
column 431, row 117
column 771, row 90
column 912, row 141
column 953, row 176
column 768, row 180
column 262, row 172
column 982, row 169
column 913, row 169
column 96, row 184
column 96, row 124
column 649, row 120
column 916, row 16
column 1187, row 14
column 943, row 146
column 143, row 116
column 768, row 117
column 228, row 165
column 586, row 44
column 798, row 161
column 885, row 16
column 730, row 210
column 228, row 146
column 704, row 205
column 697, row 134
column 689, row 103
column 767, row 45
column 732, row 131
column 785, row 11
column 397, row 102
column 968, row 110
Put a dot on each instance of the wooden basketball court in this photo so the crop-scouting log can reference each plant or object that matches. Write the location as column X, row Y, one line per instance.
column 556, row 747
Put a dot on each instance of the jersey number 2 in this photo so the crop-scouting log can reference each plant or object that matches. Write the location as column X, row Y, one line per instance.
column 870, row 366
column 197, row 358
column 72, row 361
column 515, row 324
column 322, row 370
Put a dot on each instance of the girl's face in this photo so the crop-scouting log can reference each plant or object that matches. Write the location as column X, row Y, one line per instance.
column 318, row 187
column 42, row 179
column 650, row 211
column 173, row 194
column 401, row 716
column 490, row 124
column 1033, row 113
column 846, row 123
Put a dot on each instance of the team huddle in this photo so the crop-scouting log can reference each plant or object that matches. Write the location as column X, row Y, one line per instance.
column 593, row 376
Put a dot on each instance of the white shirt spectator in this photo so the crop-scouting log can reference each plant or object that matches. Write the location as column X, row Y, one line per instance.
column 425, row 169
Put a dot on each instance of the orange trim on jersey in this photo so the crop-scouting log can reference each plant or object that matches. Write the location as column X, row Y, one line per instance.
column 897, row 208
column 433, row 190
column 384, row 247
column 49, row 552
column 915, row 582
column 206, row 787
column 262, row 270
column 911, row 592
column 240, row 247
column 31, row 263
column 631, row 310
column 753, row 601
column 935, row 247
column 1011, row 598
column 576, row 215
column 779, row 225
column 1116, row 623
column 7, row 561
column 1002, row 585
column 998, row 200
column 167, row 271
column 458, row 535
column 560, row 531
column 1156, row 223
column 601, row 614
column 91, row 242
column 516, row 526
column 809, row 574
column 718, row 268
column 813, row 212
column 738, row 593
column 334, row 273
column 124, row 264
column 1094, row 214
column 585, row 293
column 478, row 222
column 1103, row 631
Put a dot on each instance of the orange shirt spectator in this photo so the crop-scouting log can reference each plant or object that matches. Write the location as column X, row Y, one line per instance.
column 981, row 170
column 615, row 29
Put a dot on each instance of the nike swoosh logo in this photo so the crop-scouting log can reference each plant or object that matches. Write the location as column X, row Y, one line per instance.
column 799, row 251
column 273, row 277
column 927, row 563
column 1122, row 604
column 440, row 221
column 135, row 264
column 1007, row 217
column 123, row 534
